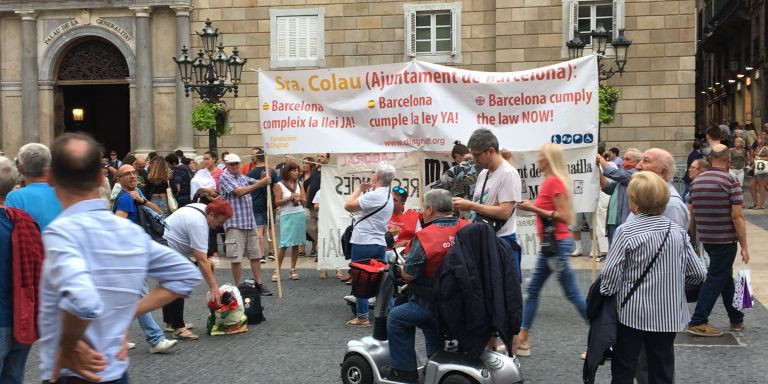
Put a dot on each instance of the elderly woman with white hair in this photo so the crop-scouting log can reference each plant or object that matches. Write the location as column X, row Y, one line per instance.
column 374, row 203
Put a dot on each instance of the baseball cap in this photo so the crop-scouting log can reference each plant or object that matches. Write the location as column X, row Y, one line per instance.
column 232, row 158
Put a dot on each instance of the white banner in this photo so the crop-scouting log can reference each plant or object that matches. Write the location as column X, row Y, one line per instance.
column 352, row 169
column 417, row 105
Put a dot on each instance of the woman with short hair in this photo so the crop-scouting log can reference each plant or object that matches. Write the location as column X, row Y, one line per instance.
column 368, row 242
column 657, row 309
column 290, row 200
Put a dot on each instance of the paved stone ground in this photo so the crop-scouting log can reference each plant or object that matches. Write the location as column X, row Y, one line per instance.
column 304, row 338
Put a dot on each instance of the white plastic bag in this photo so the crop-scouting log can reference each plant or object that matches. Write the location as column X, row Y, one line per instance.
column 742, row 296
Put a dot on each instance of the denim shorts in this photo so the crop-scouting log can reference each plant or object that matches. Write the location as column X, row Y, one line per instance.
column 261, row 218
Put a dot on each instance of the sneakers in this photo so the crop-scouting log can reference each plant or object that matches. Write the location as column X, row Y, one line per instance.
column 705, row 330
column 130, row 345
column 264, row 291
column 400, row 375
column 577, row 253
column 263, row 260
column 737, row 327
column 271, row 257
column 163, row 346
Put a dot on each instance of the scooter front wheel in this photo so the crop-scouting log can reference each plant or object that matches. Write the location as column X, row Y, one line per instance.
column 457, row 378
column 356, row 370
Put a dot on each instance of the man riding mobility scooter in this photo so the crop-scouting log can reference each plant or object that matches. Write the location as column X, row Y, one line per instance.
column 472, row 289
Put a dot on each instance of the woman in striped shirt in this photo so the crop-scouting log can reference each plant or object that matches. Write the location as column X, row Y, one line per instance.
column 658, row 308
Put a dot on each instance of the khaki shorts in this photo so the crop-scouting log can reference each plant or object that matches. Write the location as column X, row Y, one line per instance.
column 241, row 243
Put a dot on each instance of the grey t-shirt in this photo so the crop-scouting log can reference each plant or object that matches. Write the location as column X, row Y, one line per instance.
column 372, row 229
column 187, row 230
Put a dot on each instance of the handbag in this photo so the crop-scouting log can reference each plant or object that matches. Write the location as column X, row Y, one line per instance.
column 595, row 299
column 346, row 237
column 173, row 205
column 496, row 224
column 548, row 239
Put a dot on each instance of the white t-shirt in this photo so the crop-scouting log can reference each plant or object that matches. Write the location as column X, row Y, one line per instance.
column 372, row 229
column 187, row 230
column 316, row 199
column 503, row 186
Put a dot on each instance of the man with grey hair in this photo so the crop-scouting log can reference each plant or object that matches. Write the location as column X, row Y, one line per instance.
column 374, row 202
column 37, row 198
column 717, row 202
column 662, row 163
column 20, row 244
column 497, row 191
column 614, row 182
column 425, row 255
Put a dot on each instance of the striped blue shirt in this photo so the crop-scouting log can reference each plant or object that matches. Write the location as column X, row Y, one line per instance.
column 95, row 266
column 659, row 303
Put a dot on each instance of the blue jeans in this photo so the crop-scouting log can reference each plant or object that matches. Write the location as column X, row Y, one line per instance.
column 719, row 282
column 401, row 328
column 148, row 325
column 13, row 357
column 367, row 251
column 560, row 264
column 518, row 256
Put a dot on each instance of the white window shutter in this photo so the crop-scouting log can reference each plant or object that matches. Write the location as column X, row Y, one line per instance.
column 455, row 38
column 410, row 33
column 574, row 19
column 618, row 17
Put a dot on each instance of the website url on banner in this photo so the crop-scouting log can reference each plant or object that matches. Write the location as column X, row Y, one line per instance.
column 414, row 142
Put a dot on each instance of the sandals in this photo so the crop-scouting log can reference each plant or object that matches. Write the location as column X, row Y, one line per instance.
column 274, row 277
column 294, row 275
column 323, row 274
column 185, row 334
column 338, row 274
column 357, row 322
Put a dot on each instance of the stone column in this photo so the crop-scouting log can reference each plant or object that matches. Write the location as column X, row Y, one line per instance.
column 145, row 103
column 185, row 135
column 30, row 96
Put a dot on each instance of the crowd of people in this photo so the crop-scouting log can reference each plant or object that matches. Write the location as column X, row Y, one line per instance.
column 55, row 204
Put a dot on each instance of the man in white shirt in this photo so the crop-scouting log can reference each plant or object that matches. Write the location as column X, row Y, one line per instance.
column 497, row 191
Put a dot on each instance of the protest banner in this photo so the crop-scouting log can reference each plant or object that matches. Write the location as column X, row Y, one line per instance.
column 353, row 169
column 422, row 106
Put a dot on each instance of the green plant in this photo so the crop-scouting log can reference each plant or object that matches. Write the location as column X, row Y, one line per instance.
column 207, row 116
column 608, row 97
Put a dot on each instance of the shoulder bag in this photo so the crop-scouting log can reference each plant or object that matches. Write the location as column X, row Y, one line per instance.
column 595, row 299
column 496, row 224
column 173, row 205
column 346, row 238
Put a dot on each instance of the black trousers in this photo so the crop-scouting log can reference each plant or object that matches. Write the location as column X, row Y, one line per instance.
column 659, row 352
column 173, row 313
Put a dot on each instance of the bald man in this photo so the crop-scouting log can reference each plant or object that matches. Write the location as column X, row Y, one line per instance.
column 662, row 163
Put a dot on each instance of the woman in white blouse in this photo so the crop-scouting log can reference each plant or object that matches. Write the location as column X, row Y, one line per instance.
column 657, row 309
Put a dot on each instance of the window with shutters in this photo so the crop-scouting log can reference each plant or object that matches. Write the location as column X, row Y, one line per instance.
column 585, row 16
column 297, row 37
column 433, row 32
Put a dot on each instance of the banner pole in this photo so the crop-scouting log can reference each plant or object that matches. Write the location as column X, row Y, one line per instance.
column 421, row 181
column 593, row 251
column 271, row 218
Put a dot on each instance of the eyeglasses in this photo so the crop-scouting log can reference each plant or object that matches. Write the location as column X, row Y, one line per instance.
column 476, row 155
column 134, row 173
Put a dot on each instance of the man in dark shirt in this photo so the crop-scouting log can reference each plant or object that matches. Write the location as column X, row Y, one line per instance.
column 179, row 180
column 259, row 198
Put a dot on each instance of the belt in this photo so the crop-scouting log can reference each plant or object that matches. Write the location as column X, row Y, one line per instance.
column 77, row 380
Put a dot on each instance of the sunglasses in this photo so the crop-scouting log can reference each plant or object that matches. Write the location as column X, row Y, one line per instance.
column 400, row 191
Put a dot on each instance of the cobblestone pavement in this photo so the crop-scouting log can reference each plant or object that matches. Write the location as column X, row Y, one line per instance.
column 304, row 338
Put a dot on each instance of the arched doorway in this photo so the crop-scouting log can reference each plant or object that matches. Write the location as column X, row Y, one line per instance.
column 91, row 93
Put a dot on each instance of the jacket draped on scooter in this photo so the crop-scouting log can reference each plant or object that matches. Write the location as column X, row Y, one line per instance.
column 476, row 290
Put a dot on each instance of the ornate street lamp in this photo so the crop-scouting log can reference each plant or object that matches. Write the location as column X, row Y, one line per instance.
column 207, row 74
column 600, row 40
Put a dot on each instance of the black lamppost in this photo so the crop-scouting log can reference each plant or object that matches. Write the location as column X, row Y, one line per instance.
column 600, row 39
column 209, row 71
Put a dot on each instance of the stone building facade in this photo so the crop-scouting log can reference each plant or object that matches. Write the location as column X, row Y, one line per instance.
column 53, row 55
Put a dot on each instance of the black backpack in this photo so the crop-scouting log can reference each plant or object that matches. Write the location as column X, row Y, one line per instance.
column 152, row 222
column 251, row 301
